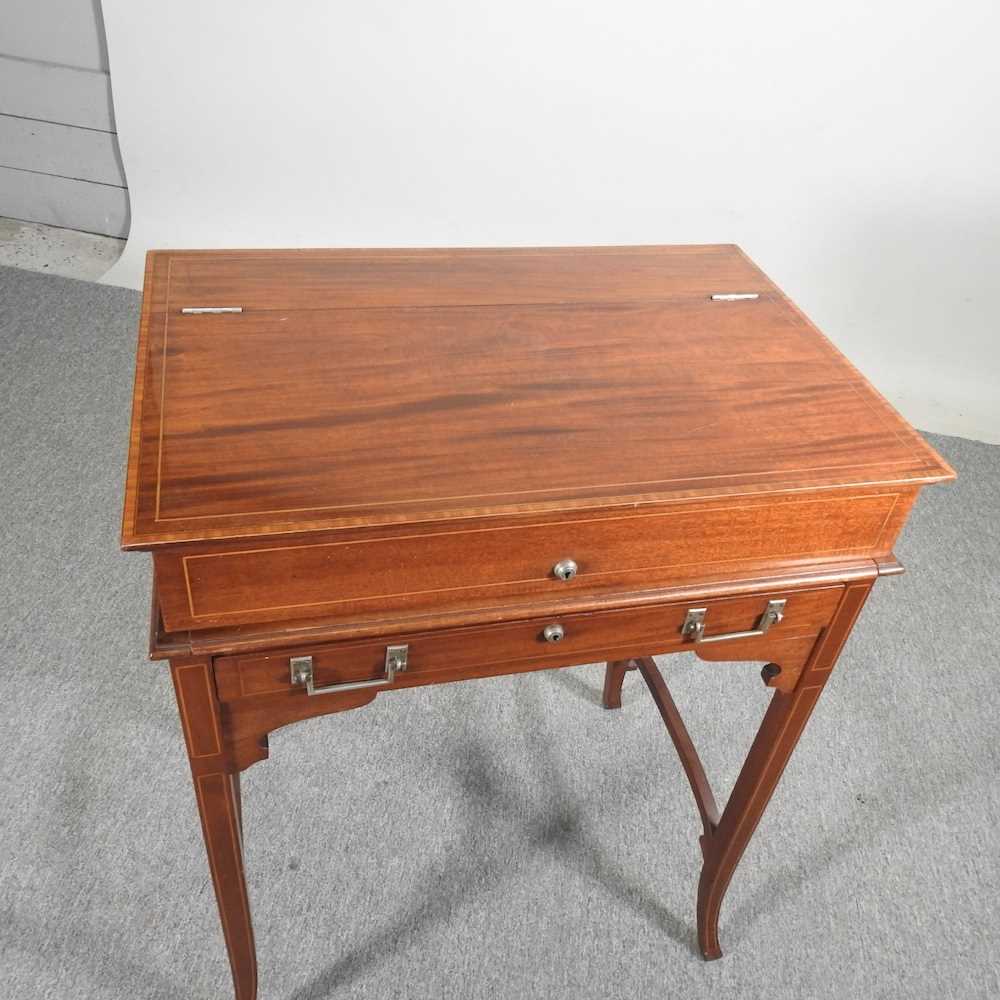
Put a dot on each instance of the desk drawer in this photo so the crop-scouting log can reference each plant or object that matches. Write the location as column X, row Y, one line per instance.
column 461, row 653
column 409, row 575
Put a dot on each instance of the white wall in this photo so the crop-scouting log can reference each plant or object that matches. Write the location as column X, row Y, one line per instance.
column 59, row 160
column 850, row 148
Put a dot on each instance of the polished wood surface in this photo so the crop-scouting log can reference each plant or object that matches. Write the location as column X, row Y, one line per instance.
column 357, row 577
column 217, row 793
column 512, row 646
column 398, row 446
column 255, row 695
column 228, row 639
column 359, row 388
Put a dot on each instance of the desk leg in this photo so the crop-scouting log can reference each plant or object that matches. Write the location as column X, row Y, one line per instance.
column 783, row 723
column 217, row 790
column 614, row 676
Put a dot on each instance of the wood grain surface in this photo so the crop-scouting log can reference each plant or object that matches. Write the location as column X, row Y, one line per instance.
column 396, row 575
column 361, row 388
column 514, row 647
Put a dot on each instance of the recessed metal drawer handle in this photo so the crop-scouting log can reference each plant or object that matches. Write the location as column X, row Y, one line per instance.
column 565, row 569
column 694, row 624
column 302, row 673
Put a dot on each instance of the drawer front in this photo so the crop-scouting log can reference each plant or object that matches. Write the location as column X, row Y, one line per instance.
column 461, row 653
column 418, row 574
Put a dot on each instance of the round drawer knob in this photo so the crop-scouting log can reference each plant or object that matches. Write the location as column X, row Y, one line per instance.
column 553, row 633
column 565, row 569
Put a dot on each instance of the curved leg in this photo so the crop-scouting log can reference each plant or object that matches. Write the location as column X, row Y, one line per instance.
column 614, row 675
column 217, row 790
column 690, row 760
column 783, row 723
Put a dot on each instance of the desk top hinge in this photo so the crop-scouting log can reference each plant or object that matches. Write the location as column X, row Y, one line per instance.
column 210, row 310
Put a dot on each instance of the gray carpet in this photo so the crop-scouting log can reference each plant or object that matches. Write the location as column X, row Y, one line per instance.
column 498, row 838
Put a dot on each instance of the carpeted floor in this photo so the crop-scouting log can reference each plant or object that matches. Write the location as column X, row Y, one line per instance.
column 495, row 839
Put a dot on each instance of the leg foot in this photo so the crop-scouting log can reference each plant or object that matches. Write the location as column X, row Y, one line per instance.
column 708, row 931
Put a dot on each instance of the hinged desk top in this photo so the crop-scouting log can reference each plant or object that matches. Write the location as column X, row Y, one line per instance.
column 367, row 387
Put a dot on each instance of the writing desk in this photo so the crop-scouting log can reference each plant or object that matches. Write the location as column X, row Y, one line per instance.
column 359, row 471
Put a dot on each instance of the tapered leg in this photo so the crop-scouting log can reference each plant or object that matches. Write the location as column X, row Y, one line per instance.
column 217, row 790
column 614, row 675
column 783, row 723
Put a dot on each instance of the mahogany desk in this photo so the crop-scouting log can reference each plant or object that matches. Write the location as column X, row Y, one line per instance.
column 360, row 471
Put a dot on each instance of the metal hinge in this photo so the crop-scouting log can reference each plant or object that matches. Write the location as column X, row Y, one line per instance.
column 203, row 310
column 734, row 296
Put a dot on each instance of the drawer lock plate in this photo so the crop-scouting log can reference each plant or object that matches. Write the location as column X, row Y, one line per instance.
column 694, row 623
column 302, row 673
